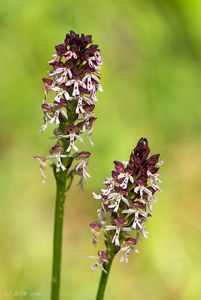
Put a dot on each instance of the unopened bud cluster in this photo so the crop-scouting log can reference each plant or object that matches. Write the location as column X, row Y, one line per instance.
column 72, row 85
column 126, row 203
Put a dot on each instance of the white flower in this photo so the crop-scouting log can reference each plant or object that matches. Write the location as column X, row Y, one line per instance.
column 93, row 91
column 100, row 260
column 69, row 54
column 76, row 84
column 91, row 61
column 83, row 166
column 142, row 189
column 51, row 115
column 98, row 57
column 97, row 197
column 87, row 80
column 59, row 165
column 62, row 78
column 160, row 163
column 72, row 137
column 137, row 223
column 117, row 229
column 125, row 251
column 87, row 127
column 118, row 198
column 110, row 186
column 154, row 179
column 79, row 108
column 43, row 163
column 127, row 177
column 61, row 93
column 54, row 58
column 151, row 200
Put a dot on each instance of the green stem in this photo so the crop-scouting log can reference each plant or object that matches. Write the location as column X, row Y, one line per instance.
column 104, row 278
column 58, row 230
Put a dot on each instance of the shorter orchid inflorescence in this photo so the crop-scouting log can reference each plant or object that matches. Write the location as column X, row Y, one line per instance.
column 74, row 81
column 126, row 204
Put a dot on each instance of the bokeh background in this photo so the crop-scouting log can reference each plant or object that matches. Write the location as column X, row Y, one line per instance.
column 151, row 79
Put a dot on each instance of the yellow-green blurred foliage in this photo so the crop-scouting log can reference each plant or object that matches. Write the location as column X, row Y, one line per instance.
column 151, row 80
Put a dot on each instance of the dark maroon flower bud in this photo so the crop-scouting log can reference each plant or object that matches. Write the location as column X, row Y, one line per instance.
column 88, row 108
column 119, row 166
column 89, row 123
column 121, row 191
column 131, row 241
column 103, row 256
column 56, row 149
column 115, row 175
column 83, row 155
column 57, row 131
column 47, row 107
column 61, row 49
column 72, row 129
column 62, row 103
column 96, row 226
column 138, row 204
column 120, row 222
column 48, row 82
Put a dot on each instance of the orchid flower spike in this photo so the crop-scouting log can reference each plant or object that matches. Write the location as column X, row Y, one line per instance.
column 126, row 203
column 72, row 84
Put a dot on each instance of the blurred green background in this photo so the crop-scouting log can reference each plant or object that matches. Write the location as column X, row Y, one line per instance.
column 151, row 81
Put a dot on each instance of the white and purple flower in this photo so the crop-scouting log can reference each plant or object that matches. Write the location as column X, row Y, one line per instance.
column 72, row 84
column 127, row 199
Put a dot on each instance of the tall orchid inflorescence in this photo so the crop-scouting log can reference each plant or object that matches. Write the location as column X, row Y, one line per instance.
column 126, row 204
column 74, row 81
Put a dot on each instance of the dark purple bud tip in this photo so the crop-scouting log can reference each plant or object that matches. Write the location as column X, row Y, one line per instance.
column 103, row 256
column 83, row 155
column 142, row 149
column 95, row 225
column 120, row 222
